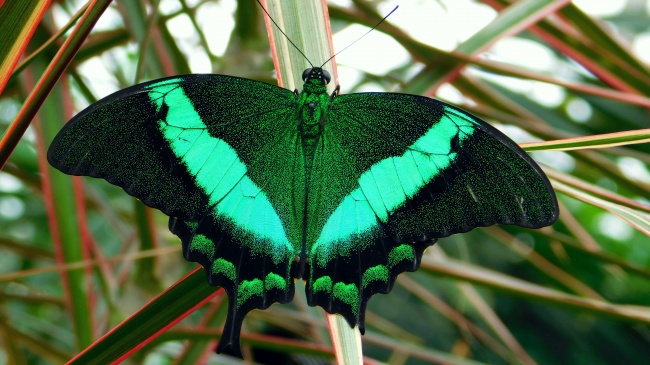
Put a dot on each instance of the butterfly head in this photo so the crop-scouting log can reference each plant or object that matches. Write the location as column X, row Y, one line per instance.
column 316, row 74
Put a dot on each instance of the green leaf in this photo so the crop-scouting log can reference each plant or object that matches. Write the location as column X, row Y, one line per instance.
column 596, row 141
column 154, row 318
column 19, row 20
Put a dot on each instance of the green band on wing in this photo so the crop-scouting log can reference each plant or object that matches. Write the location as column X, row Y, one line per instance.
column 389, row 183
column 218, row 170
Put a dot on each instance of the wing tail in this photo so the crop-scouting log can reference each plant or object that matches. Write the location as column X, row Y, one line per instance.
column 252, row 278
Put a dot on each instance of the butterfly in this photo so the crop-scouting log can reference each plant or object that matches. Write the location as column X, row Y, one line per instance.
column 265, row 186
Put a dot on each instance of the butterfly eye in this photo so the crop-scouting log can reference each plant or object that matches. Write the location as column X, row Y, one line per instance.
column 326, row 77
column 306, row 74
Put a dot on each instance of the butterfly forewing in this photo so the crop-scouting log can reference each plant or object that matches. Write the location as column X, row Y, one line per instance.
column 118, row 139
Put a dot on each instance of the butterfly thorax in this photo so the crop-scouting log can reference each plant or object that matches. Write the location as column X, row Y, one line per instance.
column 312, row 106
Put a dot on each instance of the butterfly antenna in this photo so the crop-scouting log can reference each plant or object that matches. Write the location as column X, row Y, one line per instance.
column 283, row 33
column 358, row 39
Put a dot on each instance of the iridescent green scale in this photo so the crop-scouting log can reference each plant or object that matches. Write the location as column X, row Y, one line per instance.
column 264, row 185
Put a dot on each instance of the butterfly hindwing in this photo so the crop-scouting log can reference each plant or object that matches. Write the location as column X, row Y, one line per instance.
column 252, row 280
column 420, row 170
column 205, row 149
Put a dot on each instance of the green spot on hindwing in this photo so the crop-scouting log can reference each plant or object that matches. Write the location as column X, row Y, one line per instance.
column 248, row 289
column 256, row 287
column 375, row 273
column 324, row 283
column 399, row 254
column 203, row 245
column 348, row 294
column 274, row 281
column 225, row 268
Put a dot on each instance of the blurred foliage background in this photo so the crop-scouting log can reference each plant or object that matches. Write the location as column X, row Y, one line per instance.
column 79, row 256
